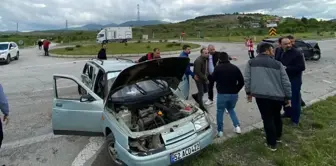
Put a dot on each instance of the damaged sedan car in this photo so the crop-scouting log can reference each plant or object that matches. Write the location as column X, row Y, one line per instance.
column 144, row 120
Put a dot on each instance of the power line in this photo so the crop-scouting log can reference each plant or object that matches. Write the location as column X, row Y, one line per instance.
column 138, row 6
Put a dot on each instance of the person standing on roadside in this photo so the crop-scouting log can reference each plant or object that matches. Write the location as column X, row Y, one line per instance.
column 250, row 48
column 213, row 60
column 39, row 43
column 266, row 80
column 102, row 53
column 292, row 39
column 294, row 63
column 4, row 109
column 201, row 71
column 46, row 44
column 186, row 50
column 151, row 55
column 229, row 81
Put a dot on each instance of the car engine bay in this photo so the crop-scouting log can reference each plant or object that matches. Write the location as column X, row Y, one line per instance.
column 142, row 117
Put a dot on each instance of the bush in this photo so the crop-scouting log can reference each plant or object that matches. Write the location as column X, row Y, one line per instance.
column 69, row 48
column 160, row 41
column 165, row 40
column 169, row 45
column 149, row 41
column 78, row 46
column 148, row 46
column 126, row 44
column 139, row 41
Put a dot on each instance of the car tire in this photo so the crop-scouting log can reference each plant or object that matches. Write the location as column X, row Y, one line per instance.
column 109, row 145
column 316, row 56
column 17, row 56
column 8, row 60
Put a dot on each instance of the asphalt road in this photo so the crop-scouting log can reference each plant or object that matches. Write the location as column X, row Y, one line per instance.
column 28, row 84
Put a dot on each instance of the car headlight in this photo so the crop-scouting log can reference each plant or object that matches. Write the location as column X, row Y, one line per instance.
column 201, row 123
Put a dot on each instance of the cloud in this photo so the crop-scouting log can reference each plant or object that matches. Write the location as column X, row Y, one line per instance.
column 42, row 14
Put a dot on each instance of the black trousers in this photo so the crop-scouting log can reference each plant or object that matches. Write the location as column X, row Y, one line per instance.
column 270, row 111
column 211, row 87
column 201, row 88
column 1, row 133
column 46, row 51
column 251, row 54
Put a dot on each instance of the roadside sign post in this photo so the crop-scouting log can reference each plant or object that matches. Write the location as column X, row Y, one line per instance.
column 21, row 43
column 272, row 29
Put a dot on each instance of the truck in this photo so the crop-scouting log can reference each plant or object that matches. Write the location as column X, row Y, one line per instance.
column 114, row 34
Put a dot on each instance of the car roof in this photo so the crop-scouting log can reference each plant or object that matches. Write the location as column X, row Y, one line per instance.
column 5, row 42
column 116, row 64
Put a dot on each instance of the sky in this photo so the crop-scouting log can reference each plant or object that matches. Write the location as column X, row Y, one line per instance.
column 52, row 14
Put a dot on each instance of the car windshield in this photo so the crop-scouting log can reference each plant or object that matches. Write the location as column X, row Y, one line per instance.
column 3, row 46
column 100, row 35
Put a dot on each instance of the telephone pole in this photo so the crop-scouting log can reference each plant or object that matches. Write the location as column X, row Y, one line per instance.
column 138, row 7
column 66, row 24
column 17, row 27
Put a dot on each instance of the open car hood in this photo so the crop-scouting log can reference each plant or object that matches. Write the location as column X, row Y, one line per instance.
column 169, row 69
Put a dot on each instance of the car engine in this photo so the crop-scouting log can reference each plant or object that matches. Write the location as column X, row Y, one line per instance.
column 165, row 110
column 141, row 117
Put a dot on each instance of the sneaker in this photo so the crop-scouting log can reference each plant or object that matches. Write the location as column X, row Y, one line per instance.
column 220, row 134
column 237, row 130
column 208, row 102
column 271, row 148
column 226, row 111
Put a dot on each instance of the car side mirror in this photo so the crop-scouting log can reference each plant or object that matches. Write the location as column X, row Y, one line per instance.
column 86, row 98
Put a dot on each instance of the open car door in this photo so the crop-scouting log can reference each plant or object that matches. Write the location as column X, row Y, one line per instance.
column 74, row 113
column 183, row 88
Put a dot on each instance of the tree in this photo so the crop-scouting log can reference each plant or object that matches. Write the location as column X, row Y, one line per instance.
column 304, row 20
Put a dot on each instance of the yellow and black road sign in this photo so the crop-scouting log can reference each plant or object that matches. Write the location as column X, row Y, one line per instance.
column 272, row 31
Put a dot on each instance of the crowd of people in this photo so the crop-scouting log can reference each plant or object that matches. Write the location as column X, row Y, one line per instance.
column 273, row 78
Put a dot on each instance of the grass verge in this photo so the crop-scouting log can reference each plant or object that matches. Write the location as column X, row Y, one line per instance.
column 312, row 143
column 304, row 36
column 122, row 48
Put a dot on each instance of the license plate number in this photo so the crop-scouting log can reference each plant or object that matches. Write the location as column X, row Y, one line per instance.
column 179, row 155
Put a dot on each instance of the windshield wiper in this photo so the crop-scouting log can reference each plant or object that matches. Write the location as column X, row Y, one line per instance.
column 141, row 90
column 160, row 83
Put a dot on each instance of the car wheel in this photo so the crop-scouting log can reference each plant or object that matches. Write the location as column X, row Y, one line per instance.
column 109, row 144
column 8, row 60
column 316, row 56
column 17, row 56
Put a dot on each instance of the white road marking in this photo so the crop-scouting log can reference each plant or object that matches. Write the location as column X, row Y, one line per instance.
column 29, row 141
column 327, row 81
column 40, row 90
column 95, row 143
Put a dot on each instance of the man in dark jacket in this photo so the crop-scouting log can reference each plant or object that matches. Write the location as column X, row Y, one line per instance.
column 46, row 44
column 102, row 53
column 212, row 62
column 292, row 39
column 152, row 55
column 39, row 42
column 294, row 63
column 201, row 71
column 185, row 53
column 266, row 80
column 4, row 109
column 229, row 81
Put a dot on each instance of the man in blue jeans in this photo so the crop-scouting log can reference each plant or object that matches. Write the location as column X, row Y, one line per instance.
column 4, row 109
column 229, row 81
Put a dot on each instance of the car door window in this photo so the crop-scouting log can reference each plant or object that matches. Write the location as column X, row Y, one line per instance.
column 68, row 89
column 301, row 45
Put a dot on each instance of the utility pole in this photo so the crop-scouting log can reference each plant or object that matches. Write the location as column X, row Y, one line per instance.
column 17, row 27
column 66, row 24
column 138, row 7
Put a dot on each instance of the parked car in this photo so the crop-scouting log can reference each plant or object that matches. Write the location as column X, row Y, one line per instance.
column 310, row 49
column 9, row 51
column 142, row 112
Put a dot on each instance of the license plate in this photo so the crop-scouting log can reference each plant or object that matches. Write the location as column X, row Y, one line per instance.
column 179, row 155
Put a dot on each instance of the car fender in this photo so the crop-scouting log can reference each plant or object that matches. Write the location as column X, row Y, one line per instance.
column 110, row 123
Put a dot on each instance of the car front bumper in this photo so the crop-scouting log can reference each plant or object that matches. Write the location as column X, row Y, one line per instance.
column 3, row 57
column 163, row 158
